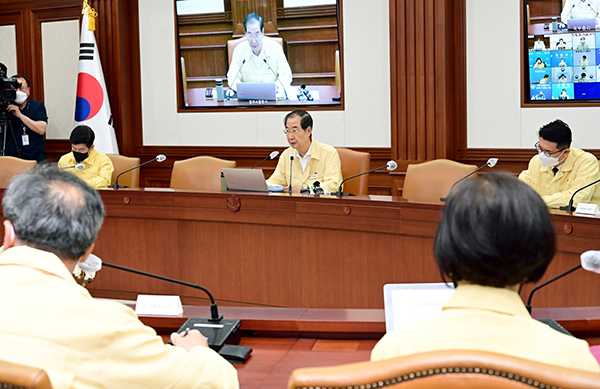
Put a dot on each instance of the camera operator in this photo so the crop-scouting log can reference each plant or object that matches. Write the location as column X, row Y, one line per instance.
column 29, row 120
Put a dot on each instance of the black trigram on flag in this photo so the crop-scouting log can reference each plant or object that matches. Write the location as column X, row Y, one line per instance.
column 86, row 51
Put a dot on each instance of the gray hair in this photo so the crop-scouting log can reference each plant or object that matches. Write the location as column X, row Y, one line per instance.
column 53, row 210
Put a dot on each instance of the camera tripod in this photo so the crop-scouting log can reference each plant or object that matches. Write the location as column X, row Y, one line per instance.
column 5, row 128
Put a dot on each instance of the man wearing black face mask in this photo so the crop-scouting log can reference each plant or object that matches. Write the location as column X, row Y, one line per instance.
column 28, row 119
column 86, row 163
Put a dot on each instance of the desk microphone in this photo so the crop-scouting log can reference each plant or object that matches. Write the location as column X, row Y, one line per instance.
column 391, row 166
column 528, row 305
column 277, row 77
column 490, row 163
column 292, row 155
column 215, row 328
column 593, row 10
column 159, row 158
column 271, row 156
column 570, row 208
column 237, row 75
column 79, row 166
column 570, row 11
column 317, row 188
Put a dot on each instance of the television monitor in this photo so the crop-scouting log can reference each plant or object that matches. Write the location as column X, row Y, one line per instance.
column 210, row 31
column 563, row 64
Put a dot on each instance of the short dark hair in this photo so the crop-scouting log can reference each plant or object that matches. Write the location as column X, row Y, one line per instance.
column 495, row 231
column 305, row 119
column 54, row 210
column 558, row 132
column 82, row 134
column 253, row 17
column 23, row 77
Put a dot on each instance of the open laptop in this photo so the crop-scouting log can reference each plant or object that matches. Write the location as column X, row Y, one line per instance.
column 250, row 180
column 406, row 304
column 256, row 91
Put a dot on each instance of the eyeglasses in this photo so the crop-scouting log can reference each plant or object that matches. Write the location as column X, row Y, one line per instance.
column 293, row 132
column 254, row 36
column 546, row 153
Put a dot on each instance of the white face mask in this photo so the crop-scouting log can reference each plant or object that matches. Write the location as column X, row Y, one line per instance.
column 546, row 161
column 21, row 97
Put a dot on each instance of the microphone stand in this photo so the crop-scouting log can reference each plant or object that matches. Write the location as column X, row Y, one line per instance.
column 214, row 311
column 277, row 77
column 569, row 208
column 291, row 171
column 341, row 194
column 261, row 162
column 116, row 185
column 528, row 305
column 236, row 76
column 464, row 178
column 216, row 329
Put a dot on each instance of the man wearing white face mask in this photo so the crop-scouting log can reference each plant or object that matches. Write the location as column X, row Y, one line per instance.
column 29, row 120
column 559, row 169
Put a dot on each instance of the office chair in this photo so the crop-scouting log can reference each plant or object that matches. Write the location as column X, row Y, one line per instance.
column 122, row 163
column 11, row 166
column 200, row 173
column 433, row 179
column 15, row 376
column 355, row 162
column 445, row 369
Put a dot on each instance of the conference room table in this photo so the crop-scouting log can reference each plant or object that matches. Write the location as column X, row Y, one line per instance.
column 284, row 339
column 297, row 251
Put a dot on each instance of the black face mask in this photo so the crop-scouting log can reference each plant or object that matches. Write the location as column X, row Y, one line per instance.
column 80, row 156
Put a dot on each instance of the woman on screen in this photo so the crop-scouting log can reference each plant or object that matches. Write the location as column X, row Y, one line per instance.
column 563, row 95
column 539, row 64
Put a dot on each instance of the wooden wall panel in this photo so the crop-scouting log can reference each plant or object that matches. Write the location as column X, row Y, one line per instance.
column 428, row 66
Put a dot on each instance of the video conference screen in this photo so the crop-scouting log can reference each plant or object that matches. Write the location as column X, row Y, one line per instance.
column 564, row 65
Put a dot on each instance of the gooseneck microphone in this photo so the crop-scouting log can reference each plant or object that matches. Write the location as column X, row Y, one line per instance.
column 270, row 156
column 528, row 305
column 215, row 328
column 277, row 77
column 590, row 261
column 292, row 155
column 159, row 158
column 317, row 188
column 570, row 208
column 237, row 75
column 390, row 166
column 79, row 166
column 214, row 311
column 490, row 163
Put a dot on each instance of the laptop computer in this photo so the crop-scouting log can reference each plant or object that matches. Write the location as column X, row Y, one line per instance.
column 406, row 304
column 257, row 91
column 250, row 180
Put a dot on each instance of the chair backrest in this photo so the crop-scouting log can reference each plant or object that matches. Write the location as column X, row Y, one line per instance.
column 13, row 375
column 201, row 173
column 355, row 162
column 433, row 179
column 122, row 163
column 445, row 369
column 231, row 44
column 11, row 166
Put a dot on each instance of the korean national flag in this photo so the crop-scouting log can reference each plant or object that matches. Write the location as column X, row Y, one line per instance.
column 92, row 107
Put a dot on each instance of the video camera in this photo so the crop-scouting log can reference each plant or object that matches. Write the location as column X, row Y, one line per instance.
column 7, row 94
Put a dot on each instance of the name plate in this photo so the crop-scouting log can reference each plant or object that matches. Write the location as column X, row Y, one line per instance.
column 158, row 305
column 587, row 209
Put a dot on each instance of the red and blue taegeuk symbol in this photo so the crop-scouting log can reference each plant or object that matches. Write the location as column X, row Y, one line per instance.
column 90, row 97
